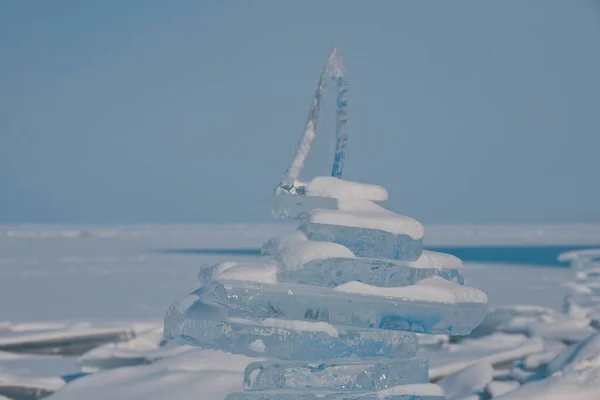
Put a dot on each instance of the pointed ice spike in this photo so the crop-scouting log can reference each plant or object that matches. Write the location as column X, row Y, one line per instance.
column 333, row 70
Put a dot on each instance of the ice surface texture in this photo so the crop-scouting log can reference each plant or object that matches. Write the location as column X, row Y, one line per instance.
column 367, row 229
column 342, row 375
column 386, row 273
column 364, row 242
column 253, row 300
column 331, row 264
column 322, row 192
column 288, row 340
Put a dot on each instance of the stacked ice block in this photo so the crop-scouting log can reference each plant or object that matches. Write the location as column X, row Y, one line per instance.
column 332, row 309
column 583, row 299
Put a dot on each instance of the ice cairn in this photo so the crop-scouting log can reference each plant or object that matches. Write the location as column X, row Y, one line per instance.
column 333, row 309
column 583, row 298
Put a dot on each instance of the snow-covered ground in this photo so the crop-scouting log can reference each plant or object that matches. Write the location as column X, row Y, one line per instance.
column 67, row 289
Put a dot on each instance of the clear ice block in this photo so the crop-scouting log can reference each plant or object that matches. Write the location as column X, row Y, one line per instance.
column 333, row 272
column 339, row 375
column 296, row 206
column 404, row 392
column 253, row 300
column 288, row 340
column 364, row 242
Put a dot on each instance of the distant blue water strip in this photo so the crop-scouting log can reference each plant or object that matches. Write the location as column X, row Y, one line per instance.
column 529, row 255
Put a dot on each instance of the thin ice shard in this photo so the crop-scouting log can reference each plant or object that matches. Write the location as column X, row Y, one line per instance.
column 333, row 70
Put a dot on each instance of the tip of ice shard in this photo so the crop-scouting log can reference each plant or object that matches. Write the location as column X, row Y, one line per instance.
column 335, row 307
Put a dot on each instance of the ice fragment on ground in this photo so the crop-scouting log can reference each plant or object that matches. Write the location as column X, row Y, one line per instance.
column 498, row 350
column 497, row 388
column 535, row 322
column 144, row 349
column 468, row 381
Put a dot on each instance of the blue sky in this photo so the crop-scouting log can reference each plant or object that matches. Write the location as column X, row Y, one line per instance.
column 189, row 111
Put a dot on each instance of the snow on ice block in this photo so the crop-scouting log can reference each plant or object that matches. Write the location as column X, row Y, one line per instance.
column 331, row 264
column 367, row 229
column 432, row 305
column 339, row 375
column 322, row 192
column 418, row 391
column 283, row 339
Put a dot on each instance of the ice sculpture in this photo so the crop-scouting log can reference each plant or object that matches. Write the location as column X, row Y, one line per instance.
column 333, row 308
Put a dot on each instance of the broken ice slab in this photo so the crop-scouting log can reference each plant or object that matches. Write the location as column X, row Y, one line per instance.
column 432, row 305
column 288, row 340
column 66, row 342
column 418, row 391
column 385, row 273
column 367, row 229
column 340, row 375
column 331, row 264
column 321, row 192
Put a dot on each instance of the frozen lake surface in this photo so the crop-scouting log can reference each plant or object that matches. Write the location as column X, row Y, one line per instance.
column 118, row 279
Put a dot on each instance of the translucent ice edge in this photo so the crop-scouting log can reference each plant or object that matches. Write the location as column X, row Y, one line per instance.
column 368, row 215
column 294, row 251
column 331, row 272
column 364, row 374
column 433, row 290
column 191, row 322
column 363, row 242
column 418, row 391
column 333, row 70
column 261, row 271
column 252, row 300
column 336, row 188
column 321, row 192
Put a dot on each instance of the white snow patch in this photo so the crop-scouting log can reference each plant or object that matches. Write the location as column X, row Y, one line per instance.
column 260, row 271
column 294, row 250
column 467, row 381
column 257, row 346
column 212, row 373
column 498, row 388
column 434, row 289
column 368, row 215
column 329, row 186
column 435, row 259
column 50, row 384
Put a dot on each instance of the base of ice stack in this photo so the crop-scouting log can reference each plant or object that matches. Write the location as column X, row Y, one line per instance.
column 425, row 391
